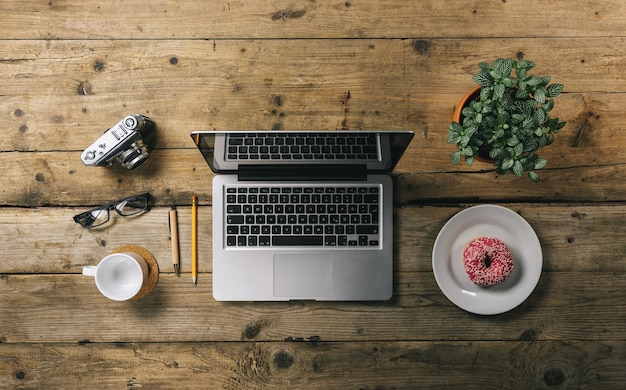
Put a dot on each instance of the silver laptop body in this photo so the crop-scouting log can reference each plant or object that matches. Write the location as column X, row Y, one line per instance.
column 302, row 215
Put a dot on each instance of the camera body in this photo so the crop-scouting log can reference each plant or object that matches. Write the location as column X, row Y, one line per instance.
column 128, row 143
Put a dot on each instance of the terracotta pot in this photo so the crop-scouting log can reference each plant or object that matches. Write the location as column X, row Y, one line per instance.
column 473, row 94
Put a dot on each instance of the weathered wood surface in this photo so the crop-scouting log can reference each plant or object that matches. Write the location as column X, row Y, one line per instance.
column 564, row 306
column 60, row 95
column 305, row 18
column 316, row 365
column 69, row 70
column 574, row 238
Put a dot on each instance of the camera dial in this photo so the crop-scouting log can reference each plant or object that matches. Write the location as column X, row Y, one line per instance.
column 130, row 122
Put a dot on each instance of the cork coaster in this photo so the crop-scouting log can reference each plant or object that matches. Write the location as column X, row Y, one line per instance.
column 153, row 268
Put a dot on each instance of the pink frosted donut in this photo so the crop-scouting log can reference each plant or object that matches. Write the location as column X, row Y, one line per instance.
column 487, row 261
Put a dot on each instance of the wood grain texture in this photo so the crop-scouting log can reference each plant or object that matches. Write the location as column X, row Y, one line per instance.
column 69, row 70
column 574, row 238
column 304, row 18
column 57, row 178
column 564, row 306
column 61, row 95
column 314, row 364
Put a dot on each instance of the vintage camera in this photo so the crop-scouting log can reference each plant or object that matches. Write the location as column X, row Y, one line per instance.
column 128, row 143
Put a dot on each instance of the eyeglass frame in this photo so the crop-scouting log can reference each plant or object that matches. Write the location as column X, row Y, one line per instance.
column 113, row 206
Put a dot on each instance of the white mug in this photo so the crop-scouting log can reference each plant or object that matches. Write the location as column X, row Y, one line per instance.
column 119, row 276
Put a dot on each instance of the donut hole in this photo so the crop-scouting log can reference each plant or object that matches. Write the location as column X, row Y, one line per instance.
column 487, row 261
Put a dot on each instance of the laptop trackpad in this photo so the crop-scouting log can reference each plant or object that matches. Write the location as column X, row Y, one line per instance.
column 302, row 275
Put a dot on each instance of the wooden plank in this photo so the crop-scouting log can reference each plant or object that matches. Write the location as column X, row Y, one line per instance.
column 74, row 97
column 564, row 306
column 172, row 175
column 60, row 178
column 316, row 365
column 303, row 19
column 574, row 238
column 389, row 67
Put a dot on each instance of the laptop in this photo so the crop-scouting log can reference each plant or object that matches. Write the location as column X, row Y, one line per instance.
column 302, row 215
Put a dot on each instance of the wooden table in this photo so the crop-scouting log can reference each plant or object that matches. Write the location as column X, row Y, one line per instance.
column 71, row 69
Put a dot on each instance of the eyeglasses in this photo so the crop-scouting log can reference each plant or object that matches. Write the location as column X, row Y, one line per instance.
column 125, row 207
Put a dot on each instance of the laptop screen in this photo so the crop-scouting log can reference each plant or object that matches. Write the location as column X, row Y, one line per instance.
column 227, row 151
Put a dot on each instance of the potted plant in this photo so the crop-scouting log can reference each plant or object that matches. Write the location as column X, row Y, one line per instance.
column 506, row 118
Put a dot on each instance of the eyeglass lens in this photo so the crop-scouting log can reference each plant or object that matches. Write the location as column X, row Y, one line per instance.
column 93, row 218
column 132, row 206
column 126, row 207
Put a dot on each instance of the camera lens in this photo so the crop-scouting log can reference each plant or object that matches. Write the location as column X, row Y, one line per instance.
column 134, row 156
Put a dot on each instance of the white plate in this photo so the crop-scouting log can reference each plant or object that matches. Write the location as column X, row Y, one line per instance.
column 489, row 221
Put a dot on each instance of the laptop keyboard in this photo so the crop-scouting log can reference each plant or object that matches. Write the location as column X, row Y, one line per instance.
column 327, row 146
column 307, row 215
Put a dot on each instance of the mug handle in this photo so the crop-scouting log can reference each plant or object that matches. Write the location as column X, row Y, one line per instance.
column 90, row 270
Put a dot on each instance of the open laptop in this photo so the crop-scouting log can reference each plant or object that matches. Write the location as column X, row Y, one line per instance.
column 302, row 215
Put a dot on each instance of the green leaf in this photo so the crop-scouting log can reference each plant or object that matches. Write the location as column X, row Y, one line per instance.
column 518, row 169
column 507, row 163
column 485, row 94
column 539, row 116
column 453, row 137
column 509, row 82
column 470, row 131
column 455, row 157
column 548, row 105
column 496, row 74
column 504, row 66
column 534, row 81
column 540, row 163
column 495, row 153
column 525, row 65
column 554, row 90
column 512, row 141
column 467, row 151
column 498, row 91
column 469, row 160
column 525, row 107
column 483, row 79
column 455, row 127
column 533, row 176
column 467, row 112
column 528, row 123
column 539, row 96
column 485, row 67
column 530, row 145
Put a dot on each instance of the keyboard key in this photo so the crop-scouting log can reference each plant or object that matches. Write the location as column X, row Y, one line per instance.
column 302, row 215
column 233, row 209
column 234, row 219
column 370, row 198
column 297, row 240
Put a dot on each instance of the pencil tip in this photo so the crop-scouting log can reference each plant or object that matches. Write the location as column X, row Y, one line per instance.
column 176, row 269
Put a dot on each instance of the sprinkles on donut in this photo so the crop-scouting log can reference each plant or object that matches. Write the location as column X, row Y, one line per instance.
column 487, row 261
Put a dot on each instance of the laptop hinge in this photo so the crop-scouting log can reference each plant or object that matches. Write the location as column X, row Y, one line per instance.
column 322, row 172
